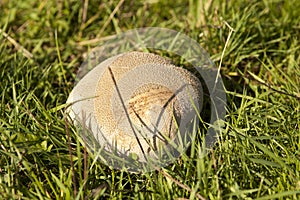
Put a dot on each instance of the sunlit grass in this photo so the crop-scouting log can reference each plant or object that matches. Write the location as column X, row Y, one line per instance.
column 258, row 154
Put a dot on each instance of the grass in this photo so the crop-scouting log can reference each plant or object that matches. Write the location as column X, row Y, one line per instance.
column 42, row 44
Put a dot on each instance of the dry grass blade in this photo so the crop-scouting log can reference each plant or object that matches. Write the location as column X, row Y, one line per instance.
column 19, row 47
column 110, row 17
column 187, row 188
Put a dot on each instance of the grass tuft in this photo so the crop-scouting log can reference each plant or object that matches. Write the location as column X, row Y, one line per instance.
column 42, row 44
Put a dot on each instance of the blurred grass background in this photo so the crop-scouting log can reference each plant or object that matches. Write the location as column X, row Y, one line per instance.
column 42, row 44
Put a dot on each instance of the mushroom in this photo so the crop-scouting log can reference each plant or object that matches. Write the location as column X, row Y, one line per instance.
column 135, row 103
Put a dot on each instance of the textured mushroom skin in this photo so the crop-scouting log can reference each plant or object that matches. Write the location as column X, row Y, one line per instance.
column 149, row 102
column 154, row 106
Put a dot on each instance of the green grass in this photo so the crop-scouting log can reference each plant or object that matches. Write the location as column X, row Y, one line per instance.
column 42, row 44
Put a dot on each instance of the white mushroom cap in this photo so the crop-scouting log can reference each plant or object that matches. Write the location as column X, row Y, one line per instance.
column 133, row 98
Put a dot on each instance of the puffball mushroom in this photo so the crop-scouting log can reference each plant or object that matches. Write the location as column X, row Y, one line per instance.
column 135, row 102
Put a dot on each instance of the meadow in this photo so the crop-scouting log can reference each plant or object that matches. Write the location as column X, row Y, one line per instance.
column 255, row 43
